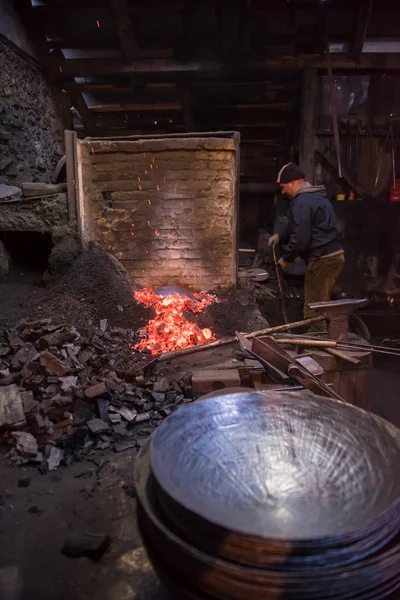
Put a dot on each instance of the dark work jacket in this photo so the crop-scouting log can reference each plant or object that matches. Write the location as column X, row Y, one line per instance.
column 311, row 230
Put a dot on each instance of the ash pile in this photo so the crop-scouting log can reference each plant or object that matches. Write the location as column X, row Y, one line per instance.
column 67, row 393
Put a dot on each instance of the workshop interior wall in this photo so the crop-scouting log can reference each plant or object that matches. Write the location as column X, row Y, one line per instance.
column 166, row 208
column 31, row 127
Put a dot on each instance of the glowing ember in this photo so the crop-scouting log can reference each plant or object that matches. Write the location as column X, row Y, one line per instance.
column 170, row 330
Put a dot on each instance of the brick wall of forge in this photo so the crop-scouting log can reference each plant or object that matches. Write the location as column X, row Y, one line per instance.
column 173, row 215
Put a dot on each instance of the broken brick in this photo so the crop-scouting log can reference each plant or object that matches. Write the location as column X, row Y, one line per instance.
column 52, row 365
column 25, row 442
column 11, row 407
column 98, row 389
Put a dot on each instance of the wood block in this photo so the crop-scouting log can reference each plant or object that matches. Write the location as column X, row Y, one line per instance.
column 214, row 379
column 42, row 189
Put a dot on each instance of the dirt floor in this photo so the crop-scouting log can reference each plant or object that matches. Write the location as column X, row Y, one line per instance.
column 39, row 512
column 95, row 498
column 36, row 520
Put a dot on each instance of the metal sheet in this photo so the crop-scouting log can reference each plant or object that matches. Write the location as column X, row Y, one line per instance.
column 278, row 465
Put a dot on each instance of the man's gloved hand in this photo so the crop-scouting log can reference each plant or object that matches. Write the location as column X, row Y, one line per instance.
column 273, row 240
column 283, row 264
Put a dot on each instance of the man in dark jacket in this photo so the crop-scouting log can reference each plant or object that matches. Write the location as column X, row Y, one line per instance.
column 312, row 234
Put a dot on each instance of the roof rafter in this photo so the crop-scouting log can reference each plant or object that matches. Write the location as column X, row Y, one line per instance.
column 364, row 12
column 124, row 25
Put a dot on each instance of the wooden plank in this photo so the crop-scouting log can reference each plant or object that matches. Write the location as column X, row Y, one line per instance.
column 124, row 25
column 308, row 118
column 70, row 153
column 363, row 18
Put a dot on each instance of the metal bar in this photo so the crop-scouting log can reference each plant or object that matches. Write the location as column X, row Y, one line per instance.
column 280, row 286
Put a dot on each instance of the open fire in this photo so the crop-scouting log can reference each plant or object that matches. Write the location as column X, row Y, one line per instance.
column 170, row 330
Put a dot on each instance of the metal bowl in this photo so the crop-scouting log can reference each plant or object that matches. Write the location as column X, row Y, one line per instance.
column 192, row 574
column 280, row 466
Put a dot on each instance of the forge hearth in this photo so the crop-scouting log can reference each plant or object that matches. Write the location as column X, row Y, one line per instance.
column 166, row 207
column 170, row 329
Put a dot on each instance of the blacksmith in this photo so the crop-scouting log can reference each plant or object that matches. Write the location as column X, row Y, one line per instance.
column 312, row 234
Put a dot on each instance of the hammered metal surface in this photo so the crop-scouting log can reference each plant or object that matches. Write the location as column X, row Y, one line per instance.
column 191, row 573
column 278, row 465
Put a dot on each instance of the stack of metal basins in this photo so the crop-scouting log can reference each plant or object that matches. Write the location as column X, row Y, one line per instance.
column 272, row 495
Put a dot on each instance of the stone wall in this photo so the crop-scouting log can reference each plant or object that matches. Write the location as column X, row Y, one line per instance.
column 31, row 129
column 171, row 216
column 40, row 214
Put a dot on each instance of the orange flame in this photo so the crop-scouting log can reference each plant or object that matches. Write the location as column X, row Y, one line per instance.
column 170, row 330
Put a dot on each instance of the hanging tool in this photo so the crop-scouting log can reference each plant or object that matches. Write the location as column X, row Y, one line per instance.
column 336, row 135
column 382, row 153
column 280, row 286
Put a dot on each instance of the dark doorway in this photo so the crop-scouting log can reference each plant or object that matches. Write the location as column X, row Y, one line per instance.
column 29, row 250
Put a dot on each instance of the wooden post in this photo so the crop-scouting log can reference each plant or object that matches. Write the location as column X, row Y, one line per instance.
column 308, row 118
column 363, row 18
column 70, row 153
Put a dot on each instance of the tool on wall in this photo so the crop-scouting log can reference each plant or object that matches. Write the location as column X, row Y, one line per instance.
column 382, row 154
column 336, row 135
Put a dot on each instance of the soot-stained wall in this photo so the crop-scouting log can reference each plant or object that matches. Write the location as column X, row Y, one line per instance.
column 31, row 128
column 171, row 215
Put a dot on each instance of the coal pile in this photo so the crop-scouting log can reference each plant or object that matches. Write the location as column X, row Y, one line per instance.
column 272, row 495
column 67, row 393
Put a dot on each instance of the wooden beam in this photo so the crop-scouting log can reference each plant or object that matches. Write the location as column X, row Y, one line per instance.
column 308, row 118
column 62, row 6
column 364, row 12
column 70, row 153
column 79, row 102
column 114, row 88
column 75, row 95
column 101, row 108
column 212, row 117
column 114, row 66
column 276, row 106
column 124, row 25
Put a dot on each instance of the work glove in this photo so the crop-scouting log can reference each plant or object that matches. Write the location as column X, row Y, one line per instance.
column 273, row 240
column 283, row 264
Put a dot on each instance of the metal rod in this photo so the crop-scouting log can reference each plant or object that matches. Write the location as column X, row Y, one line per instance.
column 357, row 347
column 280, row 286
